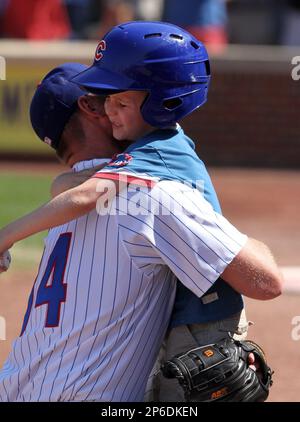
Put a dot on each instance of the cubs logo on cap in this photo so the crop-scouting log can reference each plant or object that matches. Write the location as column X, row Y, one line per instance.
column 120, row 160
column 100, row 47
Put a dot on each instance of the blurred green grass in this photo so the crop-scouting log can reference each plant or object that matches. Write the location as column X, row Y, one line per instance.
column 20, row 194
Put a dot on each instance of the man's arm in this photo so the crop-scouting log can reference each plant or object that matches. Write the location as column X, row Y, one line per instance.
column 200, row 245
column 254, row 272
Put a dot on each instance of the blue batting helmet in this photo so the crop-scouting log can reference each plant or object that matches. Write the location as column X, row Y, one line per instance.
column 157, row 57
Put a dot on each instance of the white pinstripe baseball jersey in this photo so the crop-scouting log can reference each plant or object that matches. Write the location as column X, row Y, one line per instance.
column 104, row 293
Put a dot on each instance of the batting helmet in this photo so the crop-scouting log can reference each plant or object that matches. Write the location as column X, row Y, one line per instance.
column 157, row 57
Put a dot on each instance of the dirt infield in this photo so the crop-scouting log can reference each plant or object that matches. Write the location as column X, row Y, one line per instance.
column 32, row 167
column 15, row 289
column 265, row 205
column 272, row 329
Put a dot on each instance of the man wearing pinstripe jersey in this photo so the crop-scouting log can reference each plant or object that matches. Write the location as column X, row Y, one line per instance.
column 92, row 330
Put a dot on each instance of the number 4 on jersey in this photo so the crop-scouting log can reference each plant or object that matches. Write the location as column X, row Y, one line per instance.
column 52, row 293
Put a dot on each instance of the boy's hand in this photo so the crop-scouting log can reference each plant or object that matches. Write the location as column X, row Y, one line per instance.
column 5, row 260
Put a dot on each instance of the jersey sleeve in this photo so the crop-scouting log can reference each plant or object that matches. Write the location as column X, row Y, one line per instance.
column 187, row 235
column 142, row 166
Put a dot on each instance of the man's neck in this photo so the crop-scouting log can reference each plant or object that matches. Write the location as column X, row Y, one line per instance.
column 87, row 164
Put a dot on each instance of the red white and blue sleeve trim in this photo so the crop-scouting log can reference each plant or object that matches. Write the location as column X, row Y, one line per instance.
column 140, row 179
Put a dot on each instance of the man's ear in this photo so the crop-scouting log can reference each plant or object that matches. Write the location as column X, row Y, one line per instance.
column 91, row 105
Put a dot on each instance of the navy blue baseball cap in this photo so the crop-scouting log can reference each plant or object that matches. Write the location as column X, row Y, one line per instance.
column 54, row 102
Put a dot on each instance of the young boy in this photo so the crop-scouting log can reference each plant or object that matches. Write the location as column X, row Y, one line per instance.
column 156, row 74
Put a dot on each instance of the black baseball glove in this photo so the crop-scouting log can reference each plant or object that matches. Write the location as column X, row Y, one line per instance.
column 221, row 372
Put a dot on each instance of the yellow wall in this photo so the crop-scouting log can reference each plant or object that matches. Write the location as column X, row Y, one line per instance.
column 26, row 64
column 15, row 95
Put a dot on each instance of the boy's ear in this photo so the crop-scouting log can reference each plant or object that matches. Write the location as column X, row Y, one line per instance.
column 91, row 105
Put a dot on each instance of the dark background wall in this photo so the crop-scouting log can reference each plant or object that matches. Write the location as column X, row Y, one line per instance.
column 252, row 117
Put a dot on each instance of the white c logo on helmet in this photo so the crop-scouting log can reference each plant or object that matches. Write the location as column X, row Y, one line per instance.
column 100, row 47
